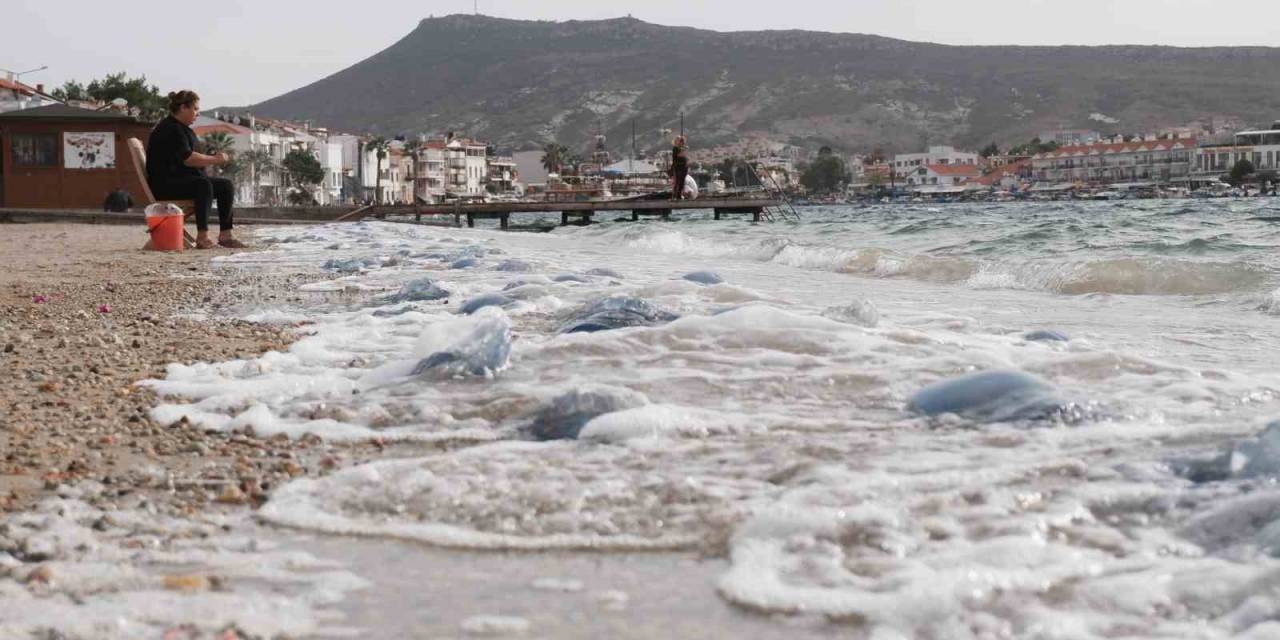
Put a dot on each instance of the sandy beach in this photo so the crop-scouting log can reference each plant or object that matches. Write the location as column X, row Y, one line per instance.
column 84, row 314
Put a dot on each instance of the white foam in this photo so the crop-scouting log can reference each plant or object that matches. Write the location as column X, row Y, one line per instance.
column 779, row 437
column 495, row 625
column 140, row 575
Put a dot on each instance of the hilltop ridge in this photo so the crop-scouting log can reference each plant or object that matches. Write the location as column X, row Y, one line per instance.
column 521, row 83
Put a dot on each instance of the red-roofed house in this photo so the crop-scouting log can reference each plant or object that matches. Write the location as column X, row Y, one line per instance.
column 1137, row 160
column 1008, row 175
column 15, row 96
column 929, row 176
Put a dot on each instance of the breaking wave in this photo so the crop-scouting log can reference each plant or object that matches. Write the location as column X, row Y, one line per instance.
column 1154, row 275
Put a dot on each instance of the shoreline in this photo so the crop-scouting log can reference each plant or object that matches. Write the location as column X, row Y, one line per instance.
column 83, row 320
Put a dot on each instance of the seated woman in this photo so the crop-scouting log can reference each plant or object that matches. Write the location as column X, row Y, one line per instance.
column 175, row 170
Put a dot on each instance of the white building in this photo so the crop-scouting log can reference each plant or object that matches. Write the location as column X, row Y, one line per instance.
column 777, row 171
column 330, row 156
column 466, row 167
column 265, row 183
column 904, row 163
column 431, row 177
column 929, row 176
column 1262, row 148
column 1070, row 137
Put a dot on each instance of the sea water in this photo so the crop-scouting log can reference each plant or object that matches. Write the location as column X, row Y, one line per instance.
column 767, row 416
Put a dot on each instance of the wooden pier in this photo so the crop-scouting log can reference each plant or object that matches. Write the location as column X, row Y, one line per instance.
column 571, row 212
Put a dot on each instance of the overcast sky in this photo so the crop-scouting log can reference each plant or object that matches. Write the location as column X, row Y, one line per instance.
column 237, row 52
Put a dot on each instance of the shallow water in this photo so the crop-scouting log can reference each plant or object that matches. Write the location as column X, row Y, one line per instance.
column 768, row 423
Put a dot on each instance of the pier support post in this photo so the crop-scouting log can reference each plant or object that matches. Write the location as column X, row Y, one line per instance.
column 756, row 214
column 635, row 216
column 717, row 213
column 471, row 220
column 504, row 221
column 583, row 217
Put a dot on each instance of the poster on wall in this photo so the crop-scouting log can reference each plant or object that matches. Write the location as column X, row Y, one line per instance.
column 89, row 150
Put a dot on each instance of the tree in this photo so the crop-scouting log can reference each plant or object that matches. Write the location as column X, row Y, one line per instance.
column 1242, row 170
column 825, row 151
column 825, row 174
column 304, row 173
column 379, row 145
column 299, row 198
column 553, row 157
column 989, row 150
column 413, row 148
column 71, row 90
column 1033, row 147
column 259, row 163
column 143, row 98
column 215, row 143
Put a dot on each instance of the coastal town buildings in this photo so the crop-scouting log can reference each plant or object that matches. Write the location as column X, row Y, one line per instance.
column 905, row 163
column 503, row 176
column 1259, row 147
column 262, row 145
column 1070, row 137
column 941, row 177
column 465, row 167
column 1002, row 159
column 431, row 177
column 777, row 171
column 1009, row 175
column 1147, row 159
column 16, row 96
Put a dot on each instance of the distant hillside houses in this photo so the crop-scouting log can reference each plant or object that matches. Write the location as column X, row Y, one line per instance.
column 356, row 170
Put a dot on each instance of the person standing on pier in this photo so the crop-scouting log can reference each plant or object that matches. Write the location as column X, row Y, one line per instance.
column 175, row 170
column 679, row 168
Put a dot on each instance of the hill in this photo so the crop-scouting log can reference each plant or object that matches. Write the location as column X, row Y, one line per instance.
column 522, row 83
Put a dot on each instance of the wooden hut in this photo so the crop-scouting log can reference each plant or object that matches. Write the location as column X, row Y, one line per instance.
column 63, row 157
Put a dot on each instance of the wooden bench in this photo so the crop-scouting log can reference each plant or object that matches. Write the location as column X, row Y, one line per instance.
column 139, row 156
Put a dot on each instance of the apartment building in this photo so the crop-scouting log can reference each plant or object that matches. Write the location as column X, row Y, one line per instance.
column 1146, row 159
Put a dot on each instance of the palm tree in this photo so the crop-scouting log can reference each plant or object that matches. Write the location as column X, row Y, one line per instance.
column 218, row 142
column 260, row 163
column 412, row 147
column 379, row 145
column 553, row 157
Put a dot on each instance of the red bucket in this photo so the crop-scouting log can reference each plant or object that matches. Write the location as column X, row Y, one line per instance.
column 166, row 229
